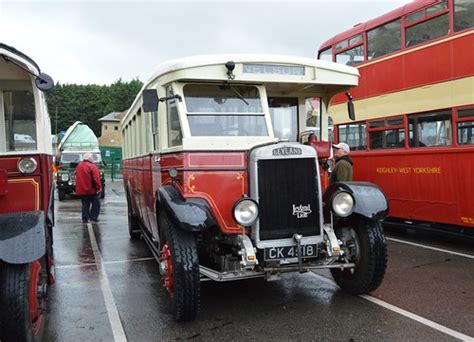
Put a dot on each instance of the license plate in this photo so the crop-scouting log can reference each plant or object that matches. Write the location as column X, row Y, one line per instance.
column 276, row 253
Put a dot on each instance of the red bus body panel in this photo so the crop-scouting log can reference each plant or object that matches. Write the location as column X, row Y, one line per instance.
column 26, row 192
column 429, row 185
column 220, row 178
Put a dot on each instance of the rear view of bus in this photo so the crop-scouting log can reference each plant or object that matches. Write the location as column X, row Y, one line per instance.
column 26, row 197
column 414, row 131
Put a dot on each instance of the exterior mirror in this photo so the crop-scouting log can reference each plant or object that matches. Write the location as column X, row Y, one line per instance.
column 350, row 107
column 44, row 82
column 150, row 100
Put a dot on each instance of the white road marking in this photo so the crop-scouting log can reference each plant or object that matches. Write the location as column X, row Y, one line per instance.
column 405, row 313
column 104, row 263
column 114, row 318
column 432, row 248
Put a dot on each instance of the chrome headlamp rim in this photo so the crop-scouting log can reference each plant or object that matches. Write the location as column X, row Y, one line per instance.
column 236, row 207
column 336, row 209
column 24, row 167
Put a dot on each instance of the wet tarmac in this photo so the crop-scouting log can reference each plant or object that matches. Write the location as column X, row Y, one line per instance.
column 108, row 288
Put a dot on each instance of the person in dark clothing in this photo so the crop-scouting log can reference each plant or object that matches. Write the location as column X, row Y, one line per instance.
column 88, row 187
column 342, row 172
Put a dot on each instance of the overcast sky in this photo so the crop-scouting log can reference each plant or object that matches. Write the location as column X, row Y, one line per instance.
column 102, row 41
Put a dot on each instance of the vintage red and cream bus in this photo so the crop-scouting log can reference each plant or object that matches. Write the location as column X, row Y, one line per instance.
column 26, row 197
column 414, row 131
column 222, row 176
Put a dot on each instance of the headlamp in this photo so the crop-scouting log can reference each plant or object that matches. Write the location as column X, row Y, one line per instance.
column 27, row 165
column 342, row 204
column 245, row 212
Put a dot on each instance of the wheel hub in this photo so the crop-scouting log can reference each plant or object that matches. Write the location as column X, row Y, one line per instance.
column 37, row 295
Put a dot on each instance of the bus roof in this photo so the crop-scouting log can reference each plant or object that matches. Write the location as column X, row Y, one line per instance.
column 188, row 69
column 12, row 53
column 373, row 23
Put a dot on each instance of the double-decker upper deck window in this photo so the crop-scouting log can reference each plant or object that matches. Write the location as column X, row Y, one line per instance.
column 18, row 129
column 384, row 39
column 326, row 55
column 427, row 30
column 387, row 133
column 352, row 56
column 463, row 14
column 433, row 129
column 466, row 127
column 224, row 110
column 353, row 134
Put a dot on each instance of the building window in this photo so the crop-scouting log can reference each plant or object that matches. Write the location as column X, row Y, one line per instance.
column 433, row 129
column 384, row 39
column 116, row 128
column 105, row 127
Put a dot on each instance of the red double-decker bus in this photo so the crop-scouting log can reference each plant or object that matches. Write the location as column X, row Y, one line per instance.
column 26, row 197
column 414, row 131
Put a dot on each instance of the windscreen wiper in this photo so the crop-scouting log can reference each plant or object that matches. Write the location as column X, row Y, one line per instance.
column 239, row 95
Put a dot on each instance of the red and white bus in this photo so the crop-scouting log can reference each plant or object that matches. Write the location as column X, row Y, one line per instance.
column 26, row 197
column 414, row 131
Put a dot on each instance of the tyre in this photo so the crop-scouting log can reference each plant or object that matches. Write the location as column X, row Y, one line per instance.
column 23, row 300
column 366, row 247
column 61, row 194
column 133, row 222
column 180, row 270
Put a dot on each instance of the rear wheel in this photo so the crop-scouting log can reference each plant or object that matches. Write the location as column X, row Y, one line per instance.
column 180, row 270
column 364, row 244
column 23, row 300
column 61, row 194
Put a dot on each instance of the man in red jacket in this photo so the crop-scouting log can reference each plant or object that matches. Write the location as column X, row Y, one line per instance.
column 88, row 186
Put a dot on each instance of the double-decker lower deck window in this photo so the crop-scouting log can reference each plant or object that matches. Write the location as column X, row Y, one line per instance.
column 353, row 135
column 432, row 129
column 18, row 125
column 387, row 133
column 466, row 126
column 224, row 110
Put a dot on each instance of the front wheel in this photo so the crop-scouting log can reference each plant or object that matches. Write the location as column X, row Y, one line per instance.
column 180, row 270
column 23, row 301
column 364, row 244
column 61, row 194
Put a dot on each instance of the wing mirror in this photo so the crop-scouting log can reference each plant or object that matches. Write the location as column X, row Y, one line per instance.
column 350, row 107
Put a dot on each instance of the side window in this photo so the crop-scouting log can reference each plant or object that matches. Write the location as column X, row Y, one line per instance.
column 433, row 129
column 388, row 133
column 284, row 114
column 175, row 137
column 353, row 135
column 352, row 56
column 155, row 130
column 466, row 126
column 463, row 14
column 326, row 55
column 18, row 122
column 384, row 39
column 427, row 30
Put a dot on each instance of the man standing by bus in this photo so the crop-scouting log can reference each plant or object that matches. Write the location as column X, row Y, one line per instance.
column 342, row 172
column 88, row 186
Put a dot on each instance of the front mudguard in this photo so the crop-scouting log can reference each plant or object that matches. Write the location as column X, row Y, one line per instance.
column 22, row 237
column 192, row 215
column 369, row 201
